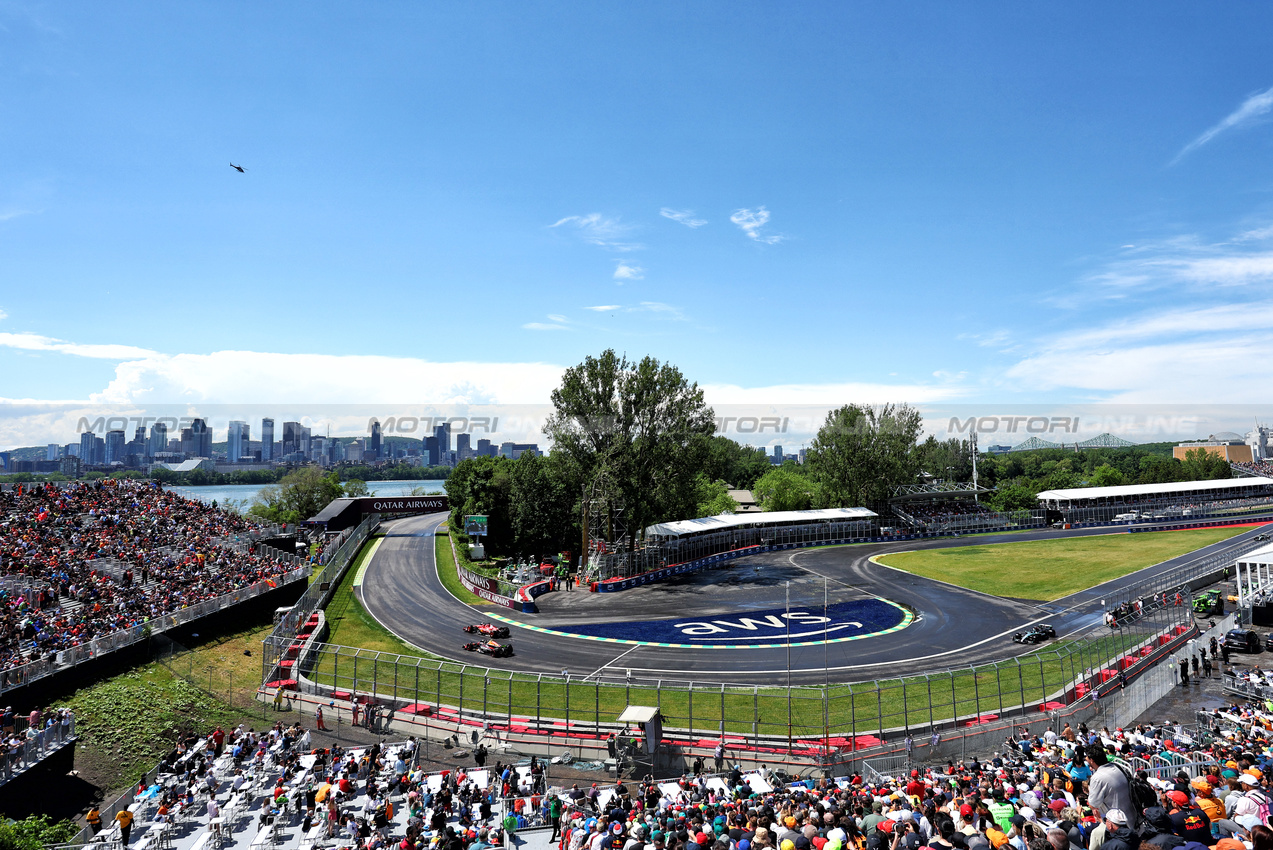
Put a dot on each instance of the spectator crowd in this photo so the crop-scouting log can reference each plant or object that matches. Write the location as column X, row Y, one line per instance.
column 1077, row 789
column 82, row 562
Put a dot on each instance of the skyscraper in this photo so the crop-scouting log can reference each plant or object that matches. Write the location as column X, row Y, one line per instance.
column 158, row 438
column 462, row 447
column 267, row 439
column 201, row 438
column 431, row 451
column 375, row 439
column 443, row 435
column 115, row 443
column 53, row 452
column 291, row 437
column 88, row 447
column 237, row 441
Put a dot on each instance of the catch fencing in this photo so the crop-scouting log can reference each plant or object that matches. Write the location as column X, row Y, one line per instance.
column 814, row 721
column 320, row 590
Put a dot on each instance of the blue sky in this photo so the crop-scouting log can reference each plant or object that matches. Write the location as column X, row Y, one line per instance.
column 818, row 202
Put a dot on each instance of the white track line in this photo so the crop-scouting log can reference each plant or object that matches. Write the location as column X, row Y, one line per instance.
column 611, row 661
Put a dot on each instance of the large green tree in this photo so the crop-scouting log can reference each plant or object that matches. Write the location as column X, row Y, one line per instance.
column 541, row 508
column 482, row 486
column 712, row 497
column 784, row 488
column 737, row 465
column 299, row 496
column 950, row 460
column 642, row 425
column 862, row 453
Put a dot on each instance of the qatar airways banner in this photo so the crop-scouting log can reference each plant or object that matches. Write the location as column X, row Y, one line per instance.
column 402, row 504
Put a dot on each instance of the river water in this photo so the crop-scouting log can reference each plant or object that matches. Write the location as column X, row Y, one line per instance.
column 243, row 494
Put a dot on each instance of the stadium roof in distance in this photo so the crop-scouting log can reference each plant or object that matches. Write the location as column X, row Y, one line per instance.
column 1074, row 494
column 728, row 521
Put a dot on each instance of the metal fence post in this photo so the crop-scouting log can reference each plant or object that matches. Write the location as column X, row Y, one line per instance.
column 690, row 704
column 879, row 708
column 1021, row 682
column 976, row 689
column 928, row 682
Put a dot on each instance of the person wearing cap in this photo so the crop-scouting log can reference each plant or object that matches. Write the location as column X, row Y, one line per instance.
column 1246, row 810
column 1205, row 799
column 1118, row 834
column 1187, row 820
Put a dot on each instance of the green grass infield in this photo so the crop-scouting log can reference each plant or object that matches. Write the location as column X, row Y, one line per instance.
column 1051, row 569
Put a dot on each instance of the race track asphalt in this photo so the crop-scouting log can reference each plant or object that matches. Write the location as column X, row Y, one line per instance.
column 953, row 626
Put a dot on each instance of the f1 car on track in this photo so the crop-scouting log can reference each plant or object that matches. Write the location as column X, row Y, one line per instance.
column 1035, row 634
column 489, row 630
column 491, row 648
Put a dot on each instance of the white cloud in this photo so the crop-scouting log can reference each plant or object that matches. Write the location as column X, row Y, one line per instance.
column 1259, row 234
column 255, row 377
column 36, row 342
column 627, row 271
column 3, row 315
column 833, row 394
column 685, row 217
column 543, row 326
column 751, row 222
column 9, row 215
column 666, row 311
column 1188, row 263
column 1251, row 109
column 556, row 317
column 994, row 339
column 657, row 308
column 596, row 229
column 1184, row 354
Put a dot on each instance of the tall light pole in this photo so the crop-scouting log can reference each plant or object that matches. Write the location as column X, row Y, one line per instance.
column 788, row 619
column 826, row 674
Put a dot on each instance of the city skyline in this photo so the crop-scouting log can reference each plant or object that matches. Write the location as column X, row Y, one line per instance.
column 935, row 204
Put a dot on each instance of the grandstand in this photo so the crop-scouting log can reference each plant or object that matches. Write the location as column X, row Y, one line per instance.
column 943, row 507
column 739, row 530
column 88, row 568
column 1258, row 468
column 1166, row 501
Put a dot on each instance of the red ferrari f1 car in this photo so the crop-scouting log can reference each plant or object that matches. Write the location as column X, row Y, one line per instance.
column 489, row 630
